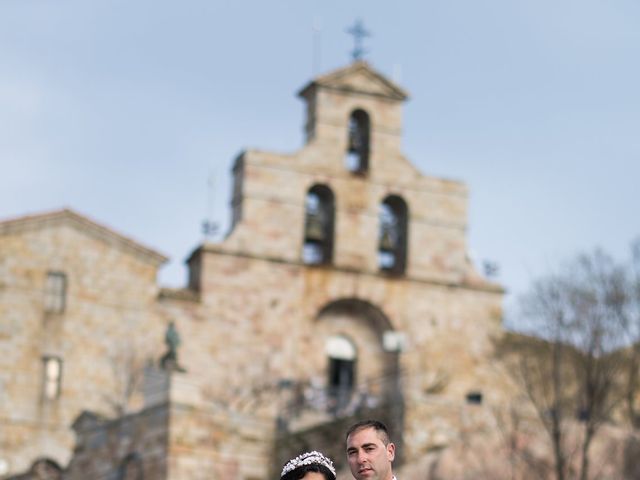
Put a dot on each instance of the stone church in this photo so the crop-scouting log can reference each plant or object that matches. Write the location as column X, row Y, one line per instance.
column 343, row 290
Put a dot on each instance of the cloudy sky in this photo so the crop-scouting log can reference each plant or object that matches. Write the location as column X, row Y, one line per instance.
column 123, row 110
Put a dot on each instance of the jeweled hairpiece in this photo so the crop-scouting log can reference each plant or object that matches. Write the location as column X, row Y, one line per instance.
column 308, row 458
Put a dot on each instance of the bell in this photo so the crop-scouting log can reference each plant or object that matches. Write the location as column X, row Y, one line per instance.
column 314, row 229
column 387, row 240
column 355, row 143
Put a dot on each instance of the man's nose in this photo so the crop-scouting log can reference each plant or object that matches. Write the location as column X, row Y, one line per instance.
column 361, row 456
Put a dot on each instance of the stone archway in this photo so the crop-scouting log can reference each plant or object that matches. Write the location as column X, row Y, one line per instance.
column 358, row 308
column 376, row 375
column 366, row 325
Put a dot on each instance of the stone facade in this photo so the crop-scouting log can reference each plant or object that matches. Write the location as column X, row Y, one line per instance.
column 256, row 318
column 110, row 293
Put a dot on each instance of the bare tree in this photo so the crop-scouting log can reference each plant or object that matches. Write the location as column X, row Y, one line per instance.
column 127, row 365
column 629, row 313
column 571, row 372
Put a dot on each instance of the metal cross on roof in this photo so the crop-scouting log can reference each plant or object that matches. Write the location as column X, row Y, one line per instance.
column 359, row 33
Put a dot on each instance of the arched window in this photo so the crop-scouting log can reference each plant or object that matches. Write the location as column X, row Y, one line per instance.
column 318, row 226
column 357, row 160
column 342, row 370
column 392, row 246
column 131, row 468
column 45, row 469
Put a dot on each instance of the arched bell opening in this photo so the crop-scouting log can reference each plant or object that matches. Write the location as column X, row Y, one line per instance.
column 392, row 235
column 358, row 145
column 318, row 226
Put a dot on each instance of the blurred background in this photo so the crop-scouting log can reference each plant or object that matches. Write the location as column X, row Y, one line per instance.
column 132, row 112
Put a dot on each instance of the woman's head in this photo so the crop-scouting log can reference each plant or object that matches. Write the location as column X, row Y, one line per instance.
column 309, row 465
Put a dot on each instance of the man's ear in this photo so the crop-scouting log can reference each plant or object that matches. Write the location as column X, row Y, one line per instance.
column 391, row 451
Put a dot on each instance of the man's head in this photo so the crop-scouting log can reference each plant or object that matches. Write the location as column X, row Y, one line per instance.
column 370, row 451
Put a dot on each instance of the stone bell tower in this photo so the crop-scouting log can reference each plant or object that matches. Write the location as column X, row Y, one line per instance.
column 346, row 269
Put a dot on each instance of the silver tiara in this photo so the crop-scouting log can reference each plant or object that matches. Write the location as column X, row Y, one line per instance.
column 308, row 458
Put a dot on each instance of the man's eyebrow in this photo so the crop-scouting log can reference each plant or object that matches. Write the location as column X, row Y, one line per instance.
column 364, row 445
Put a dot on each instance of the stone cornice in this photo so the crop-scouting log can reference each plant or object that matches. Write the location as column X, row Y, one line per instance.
column 334, row 81
column 467, row 283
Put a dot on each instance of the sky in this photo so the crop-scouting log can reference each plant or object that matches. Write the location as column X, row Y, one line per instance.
column 131, row 112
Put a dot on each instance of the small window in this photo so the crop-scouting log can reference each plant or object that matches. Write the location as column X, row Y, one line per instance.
column 52, row 377
column 392, row 241
column 474, row 398
column 318, row 228
column 357, row 159
column 583, row 414
column 55, row 292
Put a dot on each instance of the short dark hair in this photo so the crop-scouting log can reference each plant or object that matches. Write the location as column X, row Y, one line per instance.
column 300, row 472
column 380, row 428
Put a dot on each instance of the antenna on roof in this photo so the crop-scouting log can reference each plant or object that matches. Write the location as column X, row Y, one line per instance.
column 209, row 226
column 317, row 34
column 359, row 33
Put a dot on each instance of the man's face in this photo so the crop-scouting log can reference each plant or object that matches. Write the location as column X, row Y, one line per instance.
column 369, row 458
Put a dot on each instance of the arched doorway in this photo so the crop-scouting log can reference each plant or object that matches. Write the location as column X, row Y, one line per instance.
column 342, row 357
